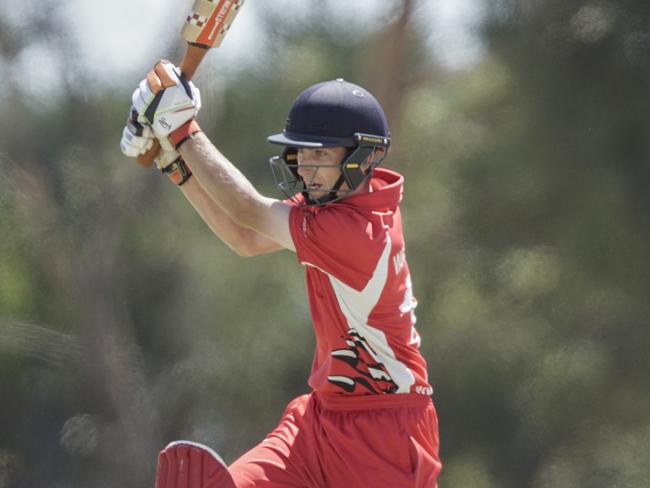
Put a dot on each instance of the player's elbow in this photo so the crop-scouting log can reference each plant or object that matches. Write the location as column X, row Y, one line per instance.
column 251, row 243
column 258, row 246
column 241, row 244
column 250, row 252
column 244, row 251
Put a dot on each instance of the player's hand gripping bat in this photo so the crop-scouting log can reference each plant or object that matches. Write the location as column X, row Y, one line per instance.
column 205, row 27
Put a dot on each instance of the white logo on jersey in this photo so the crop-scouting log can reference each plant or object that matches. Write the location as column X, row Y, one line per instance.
column 409, row 302
column 399, row 260
column 360, row 357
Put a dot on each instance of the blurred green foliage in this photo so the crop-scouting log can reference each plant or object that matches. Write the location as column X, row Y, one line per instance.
column 125, row 324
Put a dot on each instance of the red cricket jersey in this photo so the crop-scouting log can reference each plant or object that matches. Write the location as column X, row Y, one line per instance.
column 360, row 293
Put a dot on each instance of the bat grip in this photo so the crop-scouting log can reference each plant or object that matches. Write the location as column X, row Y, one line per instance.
column 193, row 56
column 146, row 159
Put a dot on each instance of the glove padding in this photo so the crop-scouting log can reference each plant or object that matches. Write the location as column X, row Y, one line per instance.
column 166, row 99
column 138, row 137
column 185, row 464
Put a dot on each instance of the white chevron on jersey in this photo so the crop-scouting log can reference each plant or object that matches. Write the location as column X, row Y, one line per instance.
column 357, row 306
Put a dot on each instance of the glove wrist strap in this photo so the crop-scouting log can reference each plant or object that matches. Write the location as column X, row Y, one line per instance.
column 178, row 172
column 183, row 133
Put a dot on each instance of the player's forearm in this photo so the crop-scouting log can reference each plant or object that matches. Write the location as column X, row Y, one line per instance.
column 242, row 240
column 223, row 182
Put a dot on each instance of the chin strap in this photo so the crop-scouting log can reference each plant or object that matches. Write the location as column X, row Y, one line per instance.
column 332, row 195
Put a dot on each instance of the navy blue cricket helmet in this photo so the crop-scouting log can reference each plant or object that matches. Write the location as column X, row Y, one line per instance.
column 331, row 114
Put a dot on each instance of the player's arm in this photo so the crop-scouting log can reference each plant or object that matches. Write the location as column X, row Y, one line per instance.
column 165, row 105
column 234, row 194
column 137, row 137
column 242, row 240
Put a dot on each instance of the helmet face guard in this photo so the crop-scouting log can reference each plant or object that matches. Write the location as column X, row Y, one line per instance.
column 353, row 171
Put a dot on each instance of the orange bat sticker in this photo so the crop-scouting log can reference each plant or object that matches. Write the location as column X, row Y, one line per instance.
column 209, row 21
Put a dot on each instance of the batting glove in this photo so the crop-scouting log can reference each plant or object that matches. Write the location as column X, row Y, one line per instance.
column 168, row 102
column 138, row 137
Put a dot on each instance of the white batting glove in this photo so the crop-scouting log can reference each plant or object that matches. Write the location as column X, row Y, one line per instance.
column 137, row 136
column 166, row 99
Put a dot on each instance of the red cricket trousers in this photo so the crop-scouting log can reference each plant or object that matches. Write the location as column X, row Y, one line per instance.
column 387, row 441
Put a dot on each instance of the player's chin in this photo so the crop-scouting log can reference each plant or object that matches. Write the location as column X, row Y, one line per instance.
column 318, row 194
column 316, row 190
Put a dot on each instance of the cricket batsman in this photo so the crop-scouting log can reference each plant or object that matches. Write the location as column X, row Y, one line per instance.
column 369, row 420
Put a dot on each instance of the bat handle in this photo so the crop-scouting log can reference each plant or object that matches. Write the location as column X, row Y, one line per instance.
column 147, row 159
column 193, row 56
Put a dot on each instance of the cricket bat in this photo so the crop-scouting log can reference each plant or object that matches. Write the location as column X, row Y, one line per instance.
column 205, row 27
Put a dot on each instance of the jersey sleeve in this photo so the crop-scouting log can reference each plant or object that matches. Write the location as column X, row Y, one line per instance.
column 337, row 240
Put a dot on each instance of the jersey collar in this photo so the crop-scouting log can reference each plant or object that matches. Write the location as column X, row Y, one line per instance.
column 386, row 194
